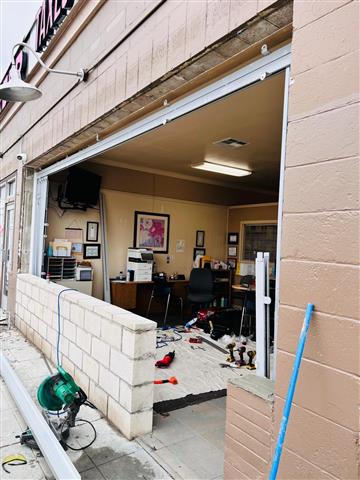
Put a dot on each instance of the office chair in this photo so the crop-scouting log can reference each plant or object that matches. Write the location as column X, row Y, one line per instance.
column 201, row 287
column 162, row 289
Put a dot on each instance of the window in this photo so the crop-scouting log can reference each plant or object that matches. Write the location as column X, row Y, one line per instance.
column 259, row 238
column 11, row 188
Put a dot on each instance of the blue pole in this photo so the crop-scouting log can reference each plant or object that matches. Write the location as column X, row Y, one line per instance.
column 291, row 391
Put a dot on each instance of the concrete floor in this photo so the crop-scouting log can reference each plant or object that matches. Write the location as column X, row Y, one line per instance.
column 186, row 444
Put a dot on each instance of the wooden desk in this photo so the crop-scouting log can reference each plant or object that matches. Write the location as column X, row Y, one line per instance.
column 136, row 295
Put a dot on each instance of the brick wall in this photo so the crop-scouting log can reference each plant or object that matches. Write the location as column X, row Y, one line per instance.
column 249, row 424
column 320, row 248
column 109, row 351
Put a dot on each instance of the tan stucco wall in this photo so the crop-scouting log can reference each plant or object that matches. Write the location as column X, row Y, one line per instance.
column 320, row 249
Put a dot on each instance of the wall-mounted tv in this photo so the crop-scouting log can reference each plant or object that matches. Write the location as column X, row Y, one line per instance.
column 81, row 189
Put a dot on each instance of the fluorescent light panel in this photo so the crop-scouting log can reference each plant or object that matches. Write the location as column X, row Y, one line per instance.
column 223, row 169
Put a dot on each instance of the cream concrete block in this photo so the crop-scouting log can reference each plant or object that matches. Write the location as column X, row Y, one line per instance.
column 337, row 237
column 307, row 12
column 324, row 186
column 98, row 397
column 83, row 340
column 326, row 136
column 91, row 367
column 329, row 338
column 34, row 322
column 141, row 423
column 69, row 330
column 133, row 321
column 77, row 315
column 324, row 284
column 328, row 38
column 39, row 309
column 134, row 372
column 109, row 382
column 92, row 323
column 51, row 336
column 37, row 340
column 26, row 316
column 31, row 305
column 324, row 391
column 35, row 293
column 136, row 345
column 111, row 333
column 82, row 380
column 64, row 307
column 75, row 354
column 120, row 417
column 64, row 346
column 328, row 446
column 138, row 398
column 42, row 329
column 46, row 348
column 68, row 366
column 24, row 300
column 28, row 288
column 308, row 95
column 100, row 351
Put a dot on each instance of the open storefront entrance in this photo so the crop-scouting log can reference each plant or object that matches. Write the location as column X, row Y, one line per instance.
column 149, row 183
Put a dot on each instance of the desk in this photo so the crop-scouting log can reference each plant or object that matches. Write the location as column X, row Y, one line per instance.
column 136, row 295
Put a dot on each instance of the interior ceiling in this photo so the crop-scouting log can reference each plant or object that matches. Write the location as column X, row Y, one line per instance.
column 252, row 115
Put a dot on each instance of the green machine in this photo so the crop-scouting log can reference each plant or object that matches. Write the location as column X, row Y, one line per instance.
column 61, row 399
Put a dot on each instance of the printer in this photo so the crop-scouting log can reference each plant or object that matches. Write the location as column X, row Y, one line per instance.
column 140, row 264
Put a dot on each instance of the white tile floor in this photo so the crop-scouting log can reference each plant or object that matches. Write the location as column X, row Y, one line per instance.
column 186, row 445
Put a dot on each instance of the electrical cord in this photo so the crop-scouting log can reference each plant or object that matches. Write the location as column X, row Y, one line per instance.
column 79, row 420
column 59, row 323
column 163, row 342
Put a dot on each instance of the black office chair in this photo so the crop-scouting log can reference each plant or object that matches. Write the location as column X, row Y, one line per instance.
column 162, row 289
column 201, row 287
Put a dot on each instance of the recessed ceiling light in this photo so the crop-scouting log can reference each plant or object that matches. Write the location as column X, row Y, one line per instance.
column 223, row 169
column 230, row 142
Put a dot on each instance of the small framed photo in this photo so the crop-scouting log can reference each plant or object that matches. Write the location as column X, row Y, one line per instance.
column 232, row 262
column 91, row 250
column 232, row 251
column 233, row 238
column 76, row 248
column 199, row 251
column 200, row 238
column 92, row 231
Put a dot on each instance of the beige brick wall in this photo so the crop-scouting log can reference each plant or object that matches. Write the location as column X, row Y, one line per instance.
column 109, row 351
column 320, row 249
column 249, row 428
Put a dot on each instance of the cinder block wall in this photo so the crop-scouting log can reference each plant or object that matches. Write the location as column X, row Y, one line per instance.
column 249, row 428
column 109, row 351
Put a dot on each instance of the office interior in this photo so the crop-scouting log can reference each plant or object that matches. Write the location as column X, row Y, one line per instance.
column 155, row 173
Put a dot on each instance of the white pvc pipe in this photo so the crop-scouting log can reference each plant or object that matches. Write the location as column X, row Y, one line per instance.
column 55, row 456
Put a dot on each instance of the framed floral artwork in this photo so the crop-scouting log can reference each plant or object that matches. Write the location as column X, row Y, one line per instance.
column 151, row 230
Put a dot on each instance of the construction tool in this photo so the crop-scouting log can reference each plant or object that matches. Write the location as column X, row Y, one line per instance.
column 171, row 380
column 197, row 348
column 61, row 399
column 213, row 344
column 166, row 361
column 251, row 355
column 290, row 393
column 195, row 340
column 13, row 460
column 241, row 351
column 229, row 365
column 231, row 357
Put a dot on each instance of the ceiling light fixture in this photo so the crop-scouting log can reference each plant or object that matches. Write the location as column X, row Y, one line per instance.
column 17, row 90
column 223, row 169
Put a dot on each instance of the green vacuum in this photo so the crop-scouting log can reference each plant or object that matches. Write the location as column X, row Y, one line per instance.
column 60, row 398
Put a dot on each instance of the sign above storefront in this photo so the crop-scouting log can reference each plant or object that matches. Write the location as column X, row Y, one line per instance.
column 48, row 19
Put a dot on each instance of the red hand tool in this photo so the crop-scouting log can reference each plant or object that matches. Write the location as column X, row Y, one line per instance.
column 172, row 380
column 165, row 362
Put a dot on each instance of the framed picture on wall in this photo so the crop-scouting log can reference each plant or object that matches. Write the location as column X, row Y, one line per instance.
column 232, row 251
column 200, row 238
column 92, row 231
column 151, row 230
column 91, row 250
column 233, row 238
column 199, row 251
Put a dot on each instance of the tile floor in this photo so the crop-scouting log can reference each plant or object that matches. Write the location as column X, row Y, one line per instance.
column 187, row 444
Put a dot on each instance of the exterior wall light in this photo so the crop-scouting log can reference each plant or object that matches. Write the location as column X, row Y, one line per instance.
column 17, row 90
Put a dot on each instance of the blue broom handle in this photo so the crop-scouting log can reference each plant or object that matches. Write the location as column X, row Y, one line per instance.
column 291, row 391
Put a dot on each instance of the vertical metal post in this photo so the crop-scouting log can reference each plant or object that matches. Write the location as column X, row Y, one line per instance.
column 262, row 302
column 267, row 301
column 105, row 261
column 38, row 224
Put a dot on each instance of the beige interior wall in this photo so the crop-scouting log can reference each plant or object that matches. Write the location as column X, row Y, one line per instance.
column 77, row 219
column 185, row 218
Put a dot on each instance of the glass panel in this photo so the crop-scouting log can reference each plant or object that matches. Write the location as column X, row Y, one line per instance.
column 259, row 238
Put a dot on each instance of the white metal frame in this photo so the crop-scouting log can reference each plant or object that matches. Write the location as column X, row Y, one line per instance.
column 263, row 301
column 267, row 65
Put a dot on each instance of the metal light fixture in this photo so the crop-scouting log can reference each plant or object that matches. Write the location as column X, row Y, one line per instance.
column 223, row 169
column 17, row 90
